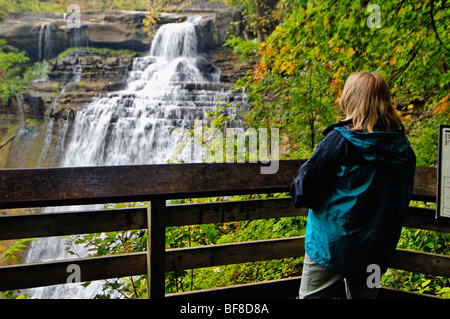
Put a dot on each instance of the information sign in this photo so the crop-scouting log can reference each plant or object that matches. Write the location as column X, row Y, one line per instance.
column 443, row 183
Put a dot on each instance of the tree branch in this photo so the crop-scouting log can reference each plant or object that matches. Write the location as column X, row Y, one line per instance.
column 433, row 24
column 396, row 75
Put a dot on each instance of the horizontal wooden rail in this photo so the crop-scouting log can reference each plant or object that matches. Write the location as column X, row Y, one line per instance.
column 426, row 263
column 84, row 222
column 272, row 289
column 111, row 184
column 55, row 272
column 277, row 289
column 235, row 253
column 72, row 223
column 229, row 211
column 44, row 187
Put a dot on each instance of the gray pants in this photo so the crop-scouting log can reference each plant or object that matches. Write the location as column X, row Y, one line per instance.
column 319, row 282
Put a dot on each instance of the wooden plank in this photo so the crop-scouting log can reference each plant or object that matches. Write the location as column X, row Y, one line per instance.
column 90, row 185
column 423, row 218
column 225, row 254
column 156, row 243
column 216, row 255
column 425, row 184
column 286, row 288
column 71, row 223
column 96, row 221
column 390, row 293
column 420, row 262
column 51, row 273
column 228, row 211
column 108, row 184
column 221, row 212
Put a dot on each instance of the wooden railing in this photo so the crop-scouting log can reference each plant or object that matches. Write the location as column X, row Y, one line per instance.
column 21, row 188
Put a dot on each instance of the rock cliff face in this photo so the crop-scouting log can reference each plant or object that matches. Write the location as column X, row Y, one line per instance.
column 45, row 35
column 78, row 77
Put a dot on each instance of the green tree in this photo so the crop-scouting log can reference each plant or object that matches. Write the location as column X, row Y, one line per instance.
column 305, row 61
column 12, row 65
column 259, row 16
column 16, row 73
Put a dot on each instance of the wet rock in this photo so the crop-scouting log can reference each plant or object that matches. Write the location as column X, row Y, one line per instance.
column 73, row 80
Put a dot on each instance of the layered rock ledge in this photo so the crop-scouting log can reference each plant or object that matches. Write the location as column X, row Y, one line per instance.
column 45, row 35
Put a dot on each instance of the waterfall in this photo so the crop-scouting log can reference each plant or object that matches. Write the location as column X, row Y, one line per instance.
column 145, row 123
column 47, row 46
column 46, row 42
column 47, row 141
column 77, row 38
column 41, row 41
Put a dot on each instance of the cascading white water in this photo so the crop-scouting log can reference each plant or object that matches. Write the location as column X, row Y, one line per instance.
column 142, row 124
column 46, row 42
column 41, row 41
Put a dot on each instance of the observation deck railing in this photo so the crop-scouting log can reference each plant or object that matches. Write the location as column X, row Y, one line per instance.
column 156, row 184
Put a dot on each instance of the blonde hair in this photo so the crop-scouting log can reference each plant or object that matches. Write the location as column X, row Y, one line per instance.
column 365, row 98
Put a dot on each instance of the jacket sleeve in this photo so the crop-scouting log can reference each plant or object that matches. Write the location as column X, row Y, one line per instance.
column 310, row 188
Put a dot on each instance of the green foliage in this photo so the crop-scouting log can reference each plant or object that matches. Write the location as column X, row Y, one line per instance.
column 426, row 241
column 305, row 61
column 246, row 49
column 15, row 72
column 223, row 233
column 61, row 5
column 433, row 285
column 14, row 82
column 160, row 6
column 259, row 16
column 13, row 255
column 111, row 243
column 14, row 252
column 424, row 128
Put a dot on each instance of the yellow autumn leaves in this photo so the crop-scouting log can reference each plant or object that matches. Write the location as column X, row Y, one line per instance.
column 268, row 51
column 443, row 107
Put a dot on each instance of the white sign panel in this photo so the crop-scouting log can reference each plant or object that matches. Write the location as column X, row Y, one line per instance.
column 443, row 191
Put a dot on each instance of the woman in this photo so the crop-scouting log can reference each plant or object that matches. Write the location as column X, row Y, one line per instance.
column 358, row 185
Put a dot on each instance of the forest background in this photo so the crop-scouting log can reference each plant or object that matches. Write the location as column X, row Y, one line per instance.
column 301, row 52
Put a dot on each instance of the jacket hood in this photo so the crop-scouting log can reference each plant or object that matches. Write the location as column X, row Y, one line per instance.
column 379, row 146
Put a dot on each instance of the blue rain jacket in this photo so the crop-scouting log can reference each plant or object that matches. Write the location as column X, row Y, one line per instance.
column 358, row 186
